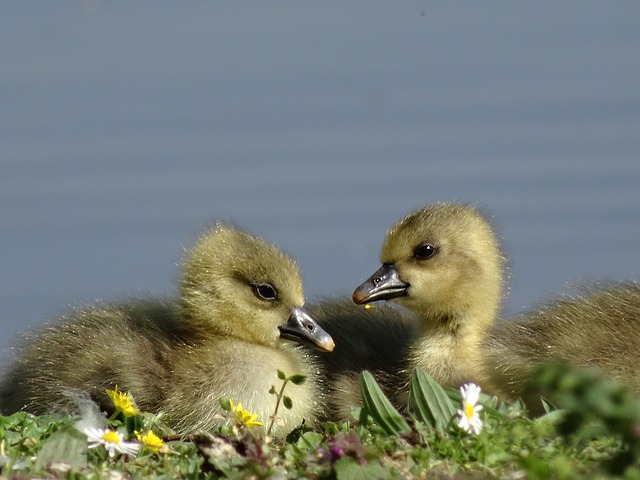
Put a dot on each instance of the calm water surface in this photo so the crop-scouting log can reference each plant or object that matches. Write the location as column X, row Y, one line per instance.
column 127, row 128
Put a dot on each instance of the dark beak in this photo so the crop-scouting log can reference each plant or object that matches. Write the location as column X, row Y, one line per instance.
column 302, row 328
column 385, row 284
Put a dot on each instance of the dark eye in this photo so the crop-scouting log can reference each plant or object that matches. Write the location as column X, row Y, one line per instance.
column 424, row 251
column 265, row 291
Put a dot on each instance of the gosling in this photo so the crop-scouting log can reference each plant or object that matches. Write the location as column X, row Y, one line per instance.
column 443, row 262
column 225, row 336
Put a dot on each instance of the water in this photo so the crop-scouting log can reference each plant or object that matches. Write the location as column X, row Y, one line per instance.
column 127, row 128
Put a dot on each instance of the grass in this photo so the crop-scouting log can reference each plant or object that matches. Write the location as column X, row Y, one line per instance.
column 596, row 435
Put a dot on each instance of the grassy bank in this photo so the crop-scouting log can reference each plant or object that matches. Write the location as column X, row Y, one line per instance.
column 595, row 435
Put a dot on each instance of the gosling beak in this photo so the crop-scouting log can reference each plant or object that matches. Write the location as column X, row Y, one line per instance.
column 302, row 328
column 385, row 284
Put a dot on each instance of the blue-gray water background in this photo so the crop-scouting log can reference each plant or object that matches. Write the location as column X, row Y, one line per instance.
column 126, row 127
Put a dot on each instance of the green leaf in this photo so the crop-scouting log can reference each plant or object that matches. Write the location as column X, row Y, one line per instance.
column 67, row 445
column 348, row 469
column 310, row 440
column 379, row 408
column 554, row 417
column 287, row 402
column 429, row 402
column 281, row 375
column 297, row 379
column 547, row 405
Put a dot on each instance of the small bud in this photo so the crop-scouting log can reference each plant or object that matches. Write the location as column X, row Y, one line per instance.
column 225, row 403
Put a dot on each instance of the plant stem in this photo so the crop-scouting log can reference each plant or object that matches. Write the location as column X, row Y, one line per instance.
column 272, row 418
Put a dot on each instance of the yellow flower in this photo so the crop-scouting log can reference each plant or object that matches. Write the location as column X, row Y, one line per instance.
column 150, row 440
column 123, row 402
column 244, row 417
column 368, row 306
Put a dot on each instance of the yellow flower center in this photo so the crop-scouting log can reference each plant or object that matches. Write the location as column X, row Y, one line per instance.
column 111, row 437
column 468, row 410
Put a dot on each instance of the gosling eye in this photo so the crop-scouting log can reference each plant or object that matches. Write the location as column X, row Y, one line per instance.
column 424, row 251
column 264, row 291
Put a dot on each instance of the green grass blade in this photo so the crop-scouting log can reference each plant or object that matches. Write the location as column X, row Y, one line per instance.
column 429, row 402
column 378, row 407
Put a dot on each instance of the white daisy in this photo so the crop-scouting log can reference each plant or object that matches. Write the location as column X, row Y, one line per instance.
column 111, row 440
column 469, row 416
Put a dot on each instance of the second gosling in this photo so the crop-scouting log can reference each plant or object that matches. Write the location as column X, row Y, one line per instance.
column 443, row 263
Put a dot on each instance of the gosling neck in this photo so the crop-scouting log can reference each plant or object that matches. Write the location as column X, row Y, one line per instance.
column 465, row 320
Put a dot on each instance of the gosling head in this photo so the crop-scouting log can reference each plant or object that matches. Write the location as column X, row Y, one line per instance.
column 441, row 260
column 235, row 284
